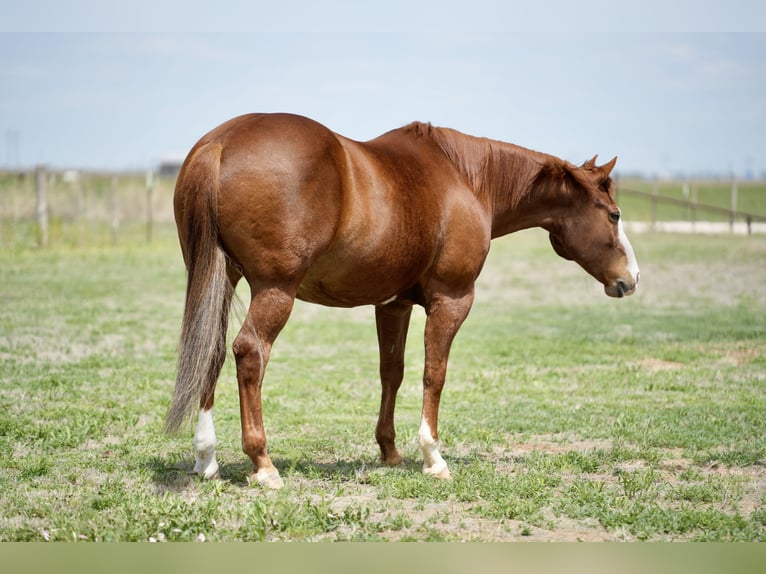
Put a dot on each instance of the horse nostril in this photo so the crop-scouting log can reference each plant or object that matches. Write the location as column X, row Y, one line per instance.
column 621, row 288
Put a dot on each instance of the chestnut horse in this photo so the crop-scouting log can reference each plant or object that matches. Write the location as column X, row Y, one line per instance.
column 403, row 219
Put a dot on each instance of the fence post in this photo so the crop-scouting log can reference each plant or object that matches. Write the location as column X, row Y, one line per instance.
column 655, row 193
column 80, row 191
column 149, row 205
column 114, row 226
column 733, row 203
column 694, row 204
column 41, row 193
column 1, row 214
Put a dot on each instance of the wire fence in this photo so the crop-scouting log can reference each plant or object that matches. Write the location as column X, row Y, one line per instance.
column 693, row 216
column 43, row 207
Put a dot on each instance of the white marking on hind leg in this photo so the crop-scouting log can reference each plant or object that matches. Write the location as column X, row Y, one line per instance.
column 433, row 463
column 204, row 446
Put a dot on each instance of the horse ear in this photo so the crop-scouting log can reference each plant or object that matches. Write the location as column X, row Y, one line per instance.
column 591, row 163
column 604, row 171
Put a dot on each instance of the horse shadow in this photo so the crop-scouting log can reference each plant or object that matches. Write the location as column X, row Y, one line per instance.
column 171, row 475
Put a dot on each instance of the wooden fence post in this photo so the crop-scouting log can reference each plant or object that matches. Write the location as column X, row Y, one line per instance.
column 149, row 205
column 80, row 215
column 655, row 193
column 694, row 190
column 1, row 216
column 114, row 226
column 41, row 193
column 733, row 203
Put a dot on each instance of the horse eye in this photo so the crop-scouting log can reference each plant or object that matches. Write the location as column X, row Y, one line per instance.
column 614, row 216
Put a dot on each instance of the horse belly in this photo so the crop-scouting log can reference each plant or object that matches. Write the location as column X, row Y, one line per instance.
column 352, row 280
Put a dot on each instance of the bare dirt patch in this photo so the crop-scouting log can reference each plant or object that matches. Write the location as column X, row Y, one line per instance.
column 658, row 365
column 554, row 444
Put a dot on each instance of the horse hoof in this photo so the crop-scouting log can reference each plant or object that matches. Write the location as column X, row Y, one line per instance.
column 207, row 475
column 393, row 460
column 438, row 471
column 211, row 472
column 268, row 479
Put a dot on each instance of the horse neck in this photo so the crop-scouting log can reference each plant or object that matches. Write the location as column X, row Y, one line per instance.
column 517, row 186
column 522, row 188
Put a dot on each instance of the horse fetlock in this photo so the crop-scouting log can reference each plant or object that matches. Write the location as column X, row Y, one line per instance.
column 204, row 448
column 391, row 458
column 433, row 463
column 206, row 466
column 387, row 442
column 204, row 445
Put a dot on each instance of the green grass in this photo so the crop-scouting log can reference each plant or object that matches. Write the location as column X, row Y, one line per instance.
column 566, row 415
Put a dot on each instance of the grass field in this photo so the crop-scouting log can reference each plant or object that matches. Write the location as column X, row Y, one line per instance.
column 566, row 415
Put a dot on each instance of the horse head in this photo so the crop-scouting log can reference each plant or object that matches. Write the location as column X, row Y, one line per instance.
column 589, row 230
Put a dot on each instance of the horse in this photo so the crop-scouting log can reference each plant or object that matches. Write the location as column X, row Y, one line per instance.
column 404, row 219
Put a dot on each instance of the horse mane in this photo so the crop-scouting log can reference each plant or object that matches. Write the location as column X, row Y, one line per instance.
column 493, row 167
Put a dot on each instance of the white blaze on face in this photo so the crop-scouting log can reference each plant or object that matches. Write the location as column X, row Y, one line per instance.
column 204, row 446
column 632, row 263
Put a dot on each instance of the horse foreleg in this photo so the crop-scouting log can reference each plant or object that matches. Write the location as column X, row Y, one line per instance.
column 268, row 313
column 445, row 316
column 392, row 322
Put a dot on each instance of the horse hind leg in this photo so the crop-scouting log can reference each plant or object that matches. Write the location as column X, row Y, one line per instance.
column 204, row 438
column 204, row 444
column 268, row 313
column 206, row 464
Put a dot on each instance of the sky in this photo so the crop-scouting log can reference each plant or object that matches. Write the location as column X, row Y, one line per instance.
column 669, row 90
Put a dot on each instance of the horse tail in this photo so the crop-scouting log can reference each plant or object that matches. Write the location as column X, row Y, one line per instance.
column 202, row 346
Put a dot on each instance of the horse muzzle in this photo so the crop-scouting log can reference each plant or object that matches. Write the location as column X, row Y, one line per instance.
column 621, row 287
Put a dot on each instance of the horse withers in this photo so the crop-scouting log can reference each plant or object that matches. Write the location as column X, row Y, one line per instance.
column 404, row 219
